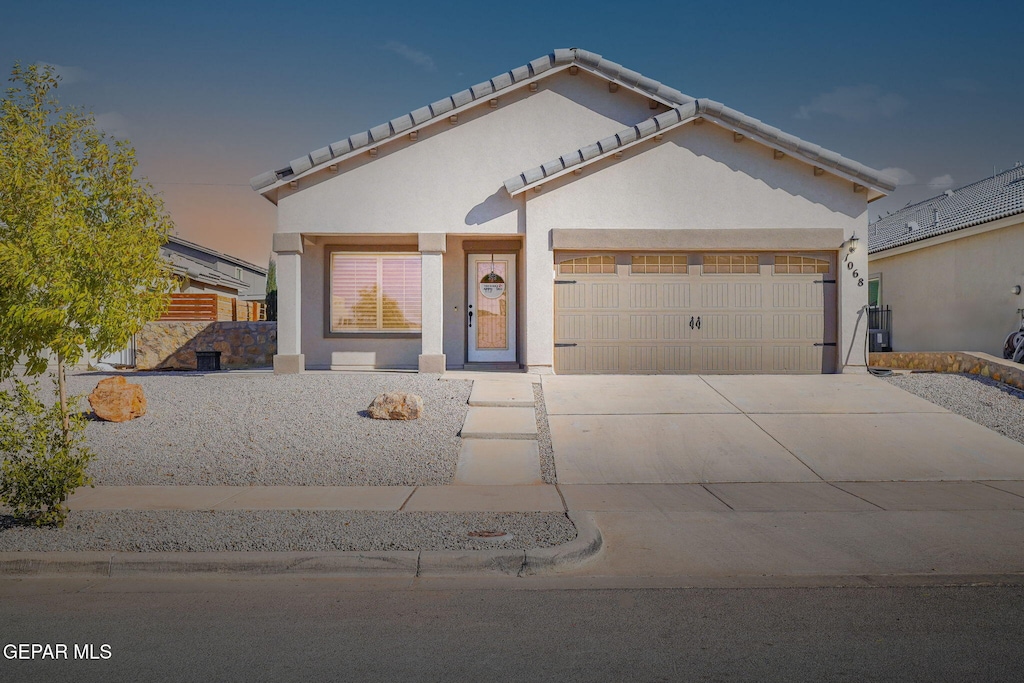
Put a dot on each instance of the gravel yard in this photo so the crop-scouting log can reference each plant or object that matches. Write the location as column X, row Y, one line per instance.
column 285, row 530
column 992, row 404
column 547, row 453
column 244, row 429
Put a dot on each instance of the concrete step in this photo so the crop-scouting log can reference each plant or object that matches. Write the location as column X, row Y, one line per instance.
column 499, row 423
column 498, row 462
column 502, row 394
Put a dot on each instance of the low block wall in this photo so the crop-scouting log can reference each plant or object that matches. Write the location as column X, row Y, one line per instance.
column 1000, row 370
column 173, row 345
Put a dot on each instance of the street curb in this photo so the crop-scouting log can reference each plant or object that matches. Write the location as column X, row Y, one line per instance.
column 397, row 563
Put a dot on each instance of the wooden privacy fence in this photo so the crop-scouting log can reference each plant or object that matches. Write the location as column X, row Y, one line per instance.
column 212, row 307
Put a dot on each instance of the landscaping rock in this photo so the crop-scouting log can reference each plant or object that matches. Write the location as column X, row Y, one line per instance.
column 396, row 405
column 115, row 400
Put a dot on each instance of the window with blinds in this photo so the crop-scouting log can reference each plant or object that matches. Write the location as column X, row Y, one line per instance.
column 375, row 292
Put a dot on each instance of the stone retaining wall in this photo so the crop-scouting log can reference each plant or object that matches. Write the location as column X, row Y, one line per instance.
column 173, row 345
column 1001, row 370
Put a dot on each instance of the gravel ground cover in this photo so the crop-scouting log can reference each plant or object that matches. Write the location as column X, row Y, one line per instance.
column 992, row 404
column 285, row 530
column 547, row 453
column 242, row 429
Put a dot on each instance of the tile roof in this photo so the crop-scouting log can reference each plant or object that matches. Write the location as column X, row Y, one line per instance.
column 595, row 63
column 986, row 200
column 481, row 91
column 715, row 111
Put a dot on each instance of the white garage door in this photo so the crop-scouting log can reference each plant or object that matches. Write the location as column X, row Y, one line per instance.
column 695, row 313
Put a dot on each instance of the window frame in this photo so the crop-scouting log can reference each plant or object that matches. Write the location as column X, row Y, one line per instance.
column 743, row 255
column 817, row 261
column 672, row 255
column 379, row 253
column 601, row 264
column 877, row 277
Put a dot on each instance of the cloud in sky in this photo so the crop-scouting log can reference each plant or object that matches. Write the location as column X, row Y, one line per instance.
column 942, row 182
column 68, row 74
column 417, row 57
column 902, row 175
column 854, row 103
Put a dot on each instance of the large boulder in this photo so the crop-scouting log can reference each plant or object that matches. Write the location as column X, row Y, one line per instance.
column 115, row 400
column 396, row 405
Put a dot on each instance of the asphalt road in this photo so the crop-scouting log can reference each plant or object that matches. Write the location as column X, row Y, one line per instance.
column 290, row 630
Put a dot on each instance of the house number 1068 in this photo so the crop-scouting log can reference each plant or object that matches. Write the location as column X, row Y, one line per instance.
column 855, row 273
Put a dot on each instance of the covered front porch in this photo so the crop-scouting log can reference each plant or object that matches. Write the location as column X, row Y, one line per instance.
column 428, row 302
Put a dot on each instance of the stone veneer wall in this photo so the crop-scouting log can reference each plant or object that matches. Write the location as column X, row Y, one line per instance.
column 173, row 345
column 1005, row 371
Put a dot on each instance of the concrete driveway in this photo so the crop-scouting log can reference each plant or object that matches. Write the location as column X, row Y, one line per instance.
column 759, row 428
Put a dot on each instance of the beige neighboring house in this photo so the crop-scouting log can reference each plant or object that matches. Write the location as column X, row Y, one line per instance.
column 572, row 216
column 951, row 268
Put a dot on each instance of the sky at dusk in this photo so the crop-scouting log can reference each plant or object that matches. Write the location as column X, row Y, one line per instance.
column 213, row 93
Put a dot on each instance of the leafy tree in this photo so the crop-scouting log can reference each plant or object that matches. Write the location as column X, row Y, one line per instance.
column 80, row 235
column 80, row 271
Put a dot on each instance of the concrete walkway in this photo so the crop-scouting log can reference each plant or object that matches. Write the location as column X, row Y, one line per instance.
column 499, row 436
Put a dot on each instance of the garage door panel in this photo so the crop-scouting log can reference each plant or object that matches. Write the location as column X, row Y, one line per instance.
column 746, row 359
column 676, row 360
column 604, row 359
column 643, row 295
column 786, row 295
column 714, row 295
column 675, row 295
column 748, row 326
column 643, row 359
column 786, row 326
column 676, row 327
column 746, row 295
column 715, row 326
column 571, row 359
column 643, row 327
column 714, row 359
column 604, row 295
column 571, row 327
column 570, row 295
column 814, row 326
column 642, row 318
column 605, row 327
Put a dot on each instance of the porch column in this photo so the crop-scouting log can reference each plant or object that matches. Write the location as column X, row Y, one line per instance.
column 540, row 325
column 289, row 358
column 432, row 247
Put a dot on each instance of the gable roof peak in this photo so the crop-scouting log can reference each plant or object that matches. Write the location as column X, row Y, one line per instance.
column 561, row 57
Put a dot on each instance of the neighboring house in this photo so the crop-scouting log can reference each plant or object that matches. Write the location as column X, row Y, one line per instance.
column 951, row 267
column 672, row 235
column 208, row 271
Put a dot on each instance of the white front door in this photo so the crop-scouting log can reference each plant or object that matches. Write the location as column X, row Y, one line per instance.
column 491, row 315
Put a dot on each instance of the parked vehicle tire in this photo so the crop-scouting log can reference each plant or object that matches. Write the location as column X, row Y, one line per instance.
column 1013, row 340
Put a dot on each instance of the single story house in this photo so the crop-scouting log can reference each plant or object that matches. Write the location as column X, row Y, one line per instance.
column 204, row 270
column 572, row 216
column 951, row 268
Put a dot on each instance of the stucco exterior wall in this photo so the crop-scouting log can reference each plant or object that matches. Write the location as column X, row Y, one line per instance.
column 698, row 178
column 450, row 179
column 955, row 296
